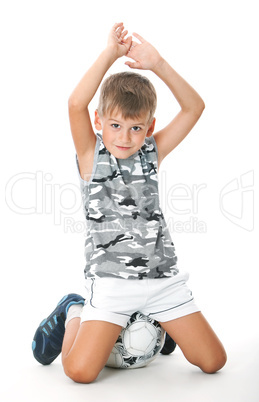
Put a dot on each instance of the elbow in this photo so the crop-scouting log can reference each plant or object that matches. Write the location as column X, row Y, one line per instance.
column 198, row 110
column 200, row 107
column 76, row 105
column 73, row 103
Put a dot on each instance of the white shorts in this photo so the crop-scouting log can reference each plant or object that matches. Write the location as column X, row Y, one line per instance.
column 115, row 300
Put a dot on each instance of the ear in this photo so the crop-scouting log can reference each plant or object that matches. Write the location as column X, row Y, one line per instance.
column 97, row 121
column 151, row 128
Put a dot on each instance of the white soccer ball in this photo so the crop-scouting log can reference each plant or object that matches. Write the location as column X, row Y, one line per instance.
column 138, row 344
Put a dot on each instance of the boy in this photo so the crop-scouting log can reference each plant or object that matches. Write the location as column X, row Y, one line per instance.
column 131, row 261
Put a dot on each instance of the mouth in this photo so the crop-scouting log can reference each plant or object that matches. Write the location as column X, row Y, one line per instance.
column 122, row 148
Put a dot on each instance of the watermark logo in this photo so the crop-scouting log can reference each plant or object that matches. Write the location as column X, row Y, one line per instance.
column 35, row 193
column 42, row 196
column 181, row 202
column 237, row 201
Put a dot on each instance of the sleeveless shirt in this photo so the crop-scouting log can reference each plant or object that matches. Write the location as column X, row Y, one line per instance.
column 126, row 233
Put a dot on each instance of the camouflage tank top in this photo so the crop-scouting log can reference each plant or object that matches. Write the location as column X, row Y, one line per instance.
column 126, row 233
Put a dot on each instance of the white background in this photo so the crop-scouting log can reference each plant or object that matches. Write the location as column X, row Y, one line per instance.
column 46, row 48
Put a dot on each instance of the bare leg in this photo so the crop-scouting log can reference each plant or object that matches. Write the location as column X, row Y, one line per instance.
column 86, row 348
column 198, row 342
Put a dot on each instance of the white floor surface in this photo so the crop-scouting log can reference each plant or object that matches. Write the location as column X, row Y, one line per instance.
column 168, row 378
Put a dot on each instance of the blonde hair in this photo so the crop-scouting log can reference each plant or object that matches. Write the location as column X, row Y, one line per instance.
column 130, row 93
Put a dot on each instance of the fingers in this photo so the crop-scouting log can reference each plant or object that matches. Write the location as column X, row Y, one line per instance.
column 142, row 40
column 128, row 42
column 118, row 36
column 129, row 64
column 118, row 30
column 124, row 33
column 117, row 25
column 135, row 65
column 133, row 44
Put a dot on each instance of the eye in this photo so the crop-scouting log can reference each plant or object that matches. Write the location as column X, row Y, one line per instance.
column 136, row 128
column 115, row 125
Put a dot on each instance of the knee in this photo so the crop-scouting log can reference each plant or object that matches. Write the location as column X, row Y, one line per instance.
column 214, row 364
column 84, row 374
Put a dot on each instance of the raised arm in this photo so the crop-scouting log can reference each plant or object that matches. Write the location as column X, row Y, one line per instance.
column 146, row 57
column 80, row 122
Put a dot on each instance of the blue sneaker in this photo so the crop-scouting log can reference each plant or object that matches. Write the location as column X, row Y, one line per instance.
column 48, row 338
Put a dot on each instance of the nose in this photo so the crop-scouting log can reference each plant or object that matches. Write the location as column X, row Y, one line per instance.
column 124, row 136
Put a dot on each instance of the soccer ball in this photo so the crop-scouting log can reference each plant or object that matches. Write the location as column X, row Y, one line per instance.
column 138, row 344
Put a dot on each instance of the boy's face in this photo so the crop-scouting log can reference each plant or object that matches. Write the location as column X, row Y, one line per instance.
column 123, row 137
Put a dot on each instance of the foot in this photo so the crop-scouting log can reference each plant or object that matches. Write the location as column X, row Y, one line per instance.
column 48, row 338
column 169, row 345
